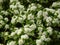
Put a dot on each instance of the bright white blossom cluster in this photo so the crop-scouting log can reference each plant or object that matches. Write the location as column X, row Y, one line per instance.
column 32, row 26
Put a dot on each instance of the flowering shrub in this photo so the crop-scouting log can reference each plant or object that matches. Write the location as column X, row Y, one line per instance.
column 29, row 25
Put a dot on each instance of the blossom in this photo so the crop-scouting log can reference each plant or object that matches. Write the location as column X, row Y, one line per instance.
column 11, row 43
column 45, row 13
column 20, row 42
column 55, row 4
column 13, row 21
column 12, row 34
column 16, row 11
column 24, row 17
column 24, row 36
column 30, row 16
column 58, row 16
column 7, row 26
column 13, row 1
column 48, row 19
column 13, row 7
column 55, row 20
column 20, row 20
column 43, row 37
column 6, row 33
column 1, row 44
column 18, row 31
column 26, row 26
column 49, row 30
column 39, row 14
column 33, row 27
column 1, row 17
column 2, row 22
column 40, row 28
column 6, row 19
column 27, row 30
column 33, row 8
column 50, row 10
column 38, row 42
column 47, row 39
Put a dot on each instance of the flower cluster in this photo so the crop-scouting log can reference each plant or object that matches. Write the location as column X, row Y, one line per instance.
column 32, row 26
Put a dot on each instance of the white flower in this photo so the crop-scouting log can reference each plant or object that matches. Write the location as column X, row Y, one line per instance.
column 39, row 14
column 20, row 42
column 44, row 33
column 24, row 36
column 38, row 22
column 30, row 16
column 50, row 10
column 40, row 28
column 58, row 11
column 38, row 42
column 43, row 37
column 1, row 17
column 6, row 26
column 55, row 20
column 32, row 21
column 24, row 17
column 11, row 43
column 4, row 12
column 13, row 7
column 27, row 30
column 49, row 30
column 45, row 13
column 40, row 33
column 21, row 8
column 56, row 4
column 48, row 19
column 6, row 19
column 13, row 21
column 33, row 27
column 12, row 34
column 26, row 26
column 18, row 3
column 6, row 33
column 2, row 22
column 33, row 8
column 47, row 39
column 58, row 16
column 16, row 11
column 39, row 6
column 18, row 31
column 1, row 44
column 13, row 1
column 20, row 20
column 15, row 28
